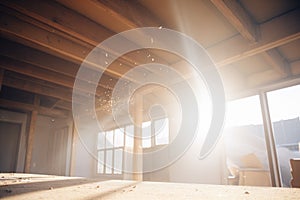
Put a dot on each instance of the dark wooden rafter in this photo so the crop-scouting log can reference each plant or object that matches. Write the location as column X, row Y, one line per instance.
column 50, row 76
column 1, row 77
column 31, row 85
column 20, row 27
column 131, row 13
column 29, row 107
column 71, row 27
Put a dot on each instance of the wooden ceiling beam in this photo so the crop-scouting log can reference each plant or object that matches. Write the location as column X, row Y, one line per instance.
column 130, row 13
column 278, row 62
column 67, row 21
column 61, row 18
column 30, row 107
column 274, row 33
column 1, row 77
column 63, row 104
column 50, row 63
column 36, row 72
column 46, row 75
column 35, row 57
column 295, row 67
column 80, row 27
column 266, row 78
column 59, row 93
column 21, row 28
column 238, row 17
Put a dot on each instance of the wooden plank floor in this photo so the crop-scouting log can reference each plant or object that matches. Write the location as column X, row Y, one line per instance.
column 30, row 186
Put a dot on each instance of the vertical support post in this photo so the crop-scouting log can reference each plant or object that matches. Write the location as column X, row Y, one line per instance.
column 137, row 146
column 73, row 150
column 270, row 142
column 1, row 78
column 30, row 138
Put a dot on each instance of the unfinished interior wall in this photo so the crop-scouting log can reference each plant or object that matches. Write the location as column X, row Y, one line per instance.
column 52, row 145
column 84, row 160
column 20, row 119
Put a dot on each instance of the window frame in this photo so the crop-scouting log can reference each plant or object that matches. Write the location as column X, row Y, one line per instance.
column 104, row 149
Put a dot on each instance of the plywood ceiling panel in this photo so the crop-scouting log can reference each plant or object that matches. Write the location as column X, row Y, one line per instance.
column 252, row 65
column 291, row 51
column 95, row 13
column 265, row 10
column 191, row 17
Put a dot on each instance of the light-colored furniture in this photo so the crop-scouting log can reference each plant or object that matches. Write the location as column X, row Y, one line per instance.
column 295, row 171
column 254, row 177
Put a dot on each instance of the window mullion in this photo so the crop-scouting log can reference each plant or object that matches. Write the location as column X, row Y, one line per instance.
column 270, row 142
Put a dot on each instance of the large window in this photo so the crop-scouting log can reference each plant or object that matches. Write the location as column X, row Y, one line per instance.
column 245, row 141
column 111, row 144
column 110, row 151
column 155, row 133
column 284, row 105
column 246, row 152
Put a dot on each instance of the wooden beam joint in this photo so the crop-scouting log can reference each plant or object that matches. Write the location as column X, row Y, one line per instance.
column 238, row 17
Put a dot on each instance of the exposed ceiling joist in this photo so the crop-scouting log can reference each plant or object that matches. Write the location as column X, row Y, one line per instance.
column 69, row 22
column 47, row 75
column 37, row 58
column 30, row 107
column 36, row 72
column 51, row 65
column 33, row 87
column 50, row 41
column 295, row 67
column 1, row 78
column 238, row 17
column 279, row 31
column 129, row 14
column 277, row 62
column 61, row 18
column 268, row 77
column 63, row 105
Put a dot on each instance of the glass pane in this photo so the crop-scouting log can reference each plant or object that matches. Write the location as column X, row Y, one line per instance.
column 161, row 128
column 108, row 168
column 101, row 140
column 129, row 136
column 118, row 161
column 100, row 167
column 109, row 139
column 146, row 134
column 284, row 106
column 119, row 137
column 245, row 146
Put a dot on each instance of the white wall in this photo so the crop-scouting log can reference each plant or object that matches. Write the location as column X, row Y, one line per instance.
column 190, row 169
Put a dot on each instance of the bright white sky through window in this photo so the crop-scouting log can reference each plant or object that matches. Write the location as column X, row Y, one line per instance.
column 244, row 111
column 283, row 104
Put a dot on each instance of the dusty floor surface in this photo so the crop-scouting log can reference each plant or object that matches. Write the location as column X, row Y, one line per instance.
column 31, row 186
